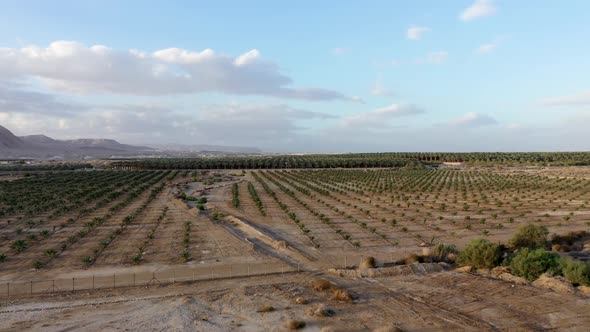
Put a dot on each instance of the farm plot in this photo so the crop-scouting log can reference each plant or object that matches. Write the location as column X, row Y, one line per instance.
column 112, row 221
column 396, row 211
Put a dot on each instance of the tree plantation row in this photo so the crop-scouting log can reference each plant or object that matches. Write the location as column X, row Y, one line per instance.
column 361, row 160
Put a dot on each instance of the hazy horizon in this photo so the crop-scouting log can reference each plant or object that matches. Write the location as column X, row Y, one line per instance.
column 473, row 75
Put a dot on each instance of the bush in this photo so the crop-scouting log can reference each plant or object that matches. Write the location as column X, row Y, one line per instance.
column 340, row 294
column 530, row 236
column 574, row 271
column 37, row 265
column 367, row 263
column 295, row 324
column 530, row 264
column 266, row 308
column 320, row 284
column 444, row 252
column 480, row 253
column 216, row 215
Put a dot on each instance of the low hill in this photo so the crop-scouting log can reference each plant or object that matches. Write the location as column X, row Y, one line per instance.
column 44, row 147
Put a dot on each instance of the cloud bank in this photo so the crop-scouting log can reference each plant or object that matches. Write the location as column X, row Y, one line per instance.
column 73, row 67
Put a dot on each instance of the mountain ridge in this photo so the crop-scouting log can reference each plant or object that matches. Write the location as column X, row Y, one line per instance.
column 44, row 147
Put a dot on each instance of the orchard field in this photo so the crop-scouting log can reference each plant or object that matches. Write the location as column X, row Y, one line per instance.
column 259, row 240
column 393, row 212
column 81, row 220
column 56, row 224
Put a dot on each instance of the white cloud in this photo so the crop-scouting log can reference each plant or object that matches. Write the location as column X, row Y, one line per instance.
column 231, row 124
column 415, row 32
column 473, row 119
column 486, row 48
column 379, row 118
column 71, row 66
column 436, row 58
column 579, row 99
column 480, row 8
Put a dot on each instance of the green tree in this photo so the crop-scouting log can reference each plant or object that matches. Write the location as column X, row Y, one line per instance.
column 530, row 236
column 480, row 253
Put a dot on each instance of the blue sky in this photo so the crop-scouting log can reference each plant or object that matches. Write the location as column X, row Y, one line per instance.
column 312, row 76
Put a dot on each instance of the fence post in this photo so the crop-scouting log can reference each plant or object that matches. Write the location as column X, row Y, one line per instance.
column 53, row 286
column 114, row 282
column 134, row 279
column 345, row 262
column 93, row 282
column 73, row 284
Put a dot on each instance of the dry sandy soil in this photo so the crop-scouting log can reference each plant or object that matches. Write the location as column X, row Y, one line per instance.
column 439, row 301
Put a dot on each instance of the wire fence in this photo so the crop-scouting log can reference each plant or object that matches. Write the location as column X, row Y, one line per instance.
column 166, row 276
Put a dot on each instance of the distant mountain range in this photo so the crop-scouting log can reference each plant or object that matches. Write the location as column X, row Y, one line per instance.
column 205, row 148
column 43, row 147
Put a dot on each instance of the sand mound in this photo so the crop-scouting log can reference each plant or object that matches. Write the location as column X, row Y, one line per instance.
column 556, row 284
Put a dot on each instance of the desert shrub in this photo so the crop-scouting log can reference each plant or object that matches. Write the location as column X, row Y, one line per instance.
column 320, row 284
column 444, row 252
column 266, row 308
column 2, row 257
column 367, row 263
column 216, row 215
column 480, row 253
column 341, row 294
column 574, row 271
column 530, row 236
column 295, row 324
column 531, row 263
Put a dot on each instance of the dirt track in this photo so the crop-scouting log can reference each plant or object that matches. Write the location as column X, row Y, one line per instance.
column 441, row 301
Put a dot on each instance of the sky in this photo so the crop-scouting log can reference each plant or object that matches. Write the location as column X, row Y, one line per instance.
column 301, row 76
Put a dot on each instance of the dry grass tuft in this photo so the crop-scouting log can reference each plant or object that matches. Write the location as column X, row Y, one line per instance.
column 295, row 324
column 340, row 294
column 300, row 300
column 320, row 285
column 367, row 263
column 266, row 308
